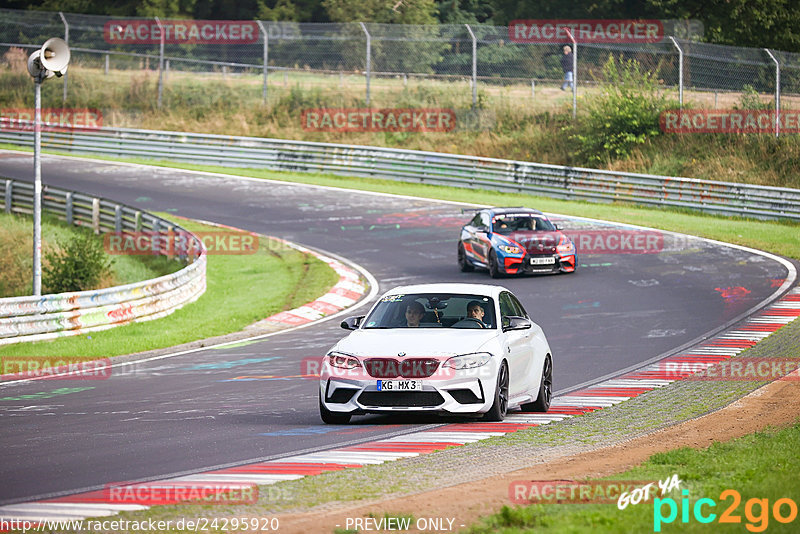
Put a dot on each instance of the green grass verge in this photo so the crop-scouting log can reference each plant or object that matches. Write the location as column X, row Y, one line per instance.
column 241, row 289
column 16, row 261
column 763, row 465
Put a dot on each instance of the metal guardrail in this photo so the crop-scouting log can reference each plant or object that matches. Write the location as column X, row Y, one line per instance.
column 555, row 181
column 49, row 316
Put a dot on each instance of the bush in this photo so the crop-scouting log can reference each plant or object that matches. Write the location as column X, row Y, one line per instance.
column 624, row 115
column 77, row 265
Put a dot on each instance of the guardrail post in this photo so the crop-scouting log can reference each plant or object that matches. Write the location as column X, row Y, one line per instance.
column 369, row 56
column 96, row 215
column 8, row 195
column 777, row 93
column 160, row 61
column 474, row 66
column 266, row 59
column 166, row 69
column 137, row 221
column 69, row 208
column 680, row 71
column 66, row 40
column 155, row 239
column 118, row 218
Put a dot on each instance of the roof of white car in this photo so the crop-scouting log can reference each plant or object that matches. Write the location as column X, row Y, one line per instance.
column 469, row 289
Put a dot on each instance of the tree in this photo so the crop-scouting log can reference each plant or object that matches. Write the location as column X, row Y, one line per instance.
column 385, row 11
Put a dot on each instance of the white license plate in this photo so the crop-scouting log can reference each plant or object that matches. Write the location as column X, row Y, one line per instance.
column 545, row 260
column 399, row 385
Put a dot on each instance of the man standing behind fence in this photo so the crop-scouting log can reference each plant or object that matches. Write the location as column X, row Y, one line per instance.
column 566, row 64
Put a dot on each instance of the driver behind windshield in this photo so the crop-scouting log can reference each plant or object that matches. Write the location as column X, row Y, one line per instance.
column 414, row 313
column 475, row 310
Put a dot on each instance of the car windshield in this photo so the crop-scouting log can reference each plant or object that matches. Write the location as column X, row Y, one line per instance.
column 432, row 310
column 507, row 223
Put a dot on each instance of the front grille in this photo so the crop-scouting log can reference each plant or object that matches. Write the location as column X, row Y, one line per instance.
column 416, row 399
column 342, row 395
column 464, row 396
column 408, row 368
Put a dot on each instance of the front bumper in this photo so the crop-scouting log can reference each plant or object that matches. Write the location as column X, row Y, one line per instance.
column 468, row 391
column 519, row 265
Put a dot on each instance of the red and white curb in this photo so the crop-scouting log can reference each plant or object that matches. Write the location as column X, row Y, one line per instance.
column 595, row 397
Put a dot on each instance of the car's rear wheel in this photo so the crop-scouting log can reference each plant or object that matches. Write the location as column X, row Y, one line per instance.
column 463, row 263
column 542, row 403
column 500, row 406
column 494, row 269
column 332, row 418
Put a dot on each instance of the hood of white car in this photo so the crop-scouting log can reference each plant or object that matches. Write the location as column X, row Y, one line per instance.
column 416, row 341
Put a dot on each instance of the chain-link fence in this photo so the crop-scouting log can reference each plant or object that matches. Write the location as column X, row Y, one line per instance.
column 356, row 57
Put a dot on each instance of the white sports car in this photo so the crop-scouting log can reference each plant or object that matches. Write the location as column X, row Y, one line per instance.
column 448, row 348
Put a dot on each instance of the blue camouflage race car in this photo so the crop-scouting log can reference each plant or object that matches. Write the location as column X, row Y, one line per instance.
column 514, row 241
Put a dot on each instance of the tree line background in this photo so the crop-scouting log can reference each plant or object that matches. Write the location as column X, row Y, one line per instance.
column 752, row 23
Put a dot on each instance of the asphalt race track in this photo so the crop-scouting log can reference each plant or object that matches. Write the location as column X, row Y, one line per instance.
column 194, row 411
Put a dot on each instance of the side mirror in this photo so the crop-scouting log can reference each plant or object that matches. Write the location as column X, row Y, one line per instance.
column 352, row 323
column 517, row 323
column 556, row 226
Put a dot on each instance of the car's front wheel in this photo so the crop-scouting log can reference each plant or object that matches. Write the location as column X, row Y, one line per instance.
column 542, row 402
column 332, row 418
column 463, row 263
column 494, row 269
column 500, row 406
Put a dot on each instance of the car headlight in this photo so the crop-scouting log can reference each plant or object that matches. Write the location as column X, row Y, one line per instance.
column 510, row 249
column 343, row 361
column 565, row 246
column 468, row 361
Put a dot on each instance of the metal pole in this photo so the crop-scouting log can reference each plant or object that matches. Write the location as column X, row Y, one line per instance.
column 474, row 67
column 37, row 192
column 574, row 74
column 266, row 59
column 777, row 93
column 369, row 57
column 105, row 66
column 680, row 71
column 160, row 61
column 66, row 40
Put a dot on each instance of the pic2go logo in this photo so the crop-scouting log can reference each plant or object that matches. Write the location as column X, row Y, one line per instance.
column 757, row 511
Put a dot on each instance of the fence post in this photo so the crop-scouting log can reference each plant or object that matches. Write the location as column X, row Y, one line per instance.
column 105, row 66
column 369, row 57
column 9, row 193
column 574, row 74
column 96, row 215
column 117, row 218
column 680, row 71
column 533, row 88
column 69, row 208
column 266, row 59
column 777, row 93
column 160, row 61
column 66, row 40
column 474, row 67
